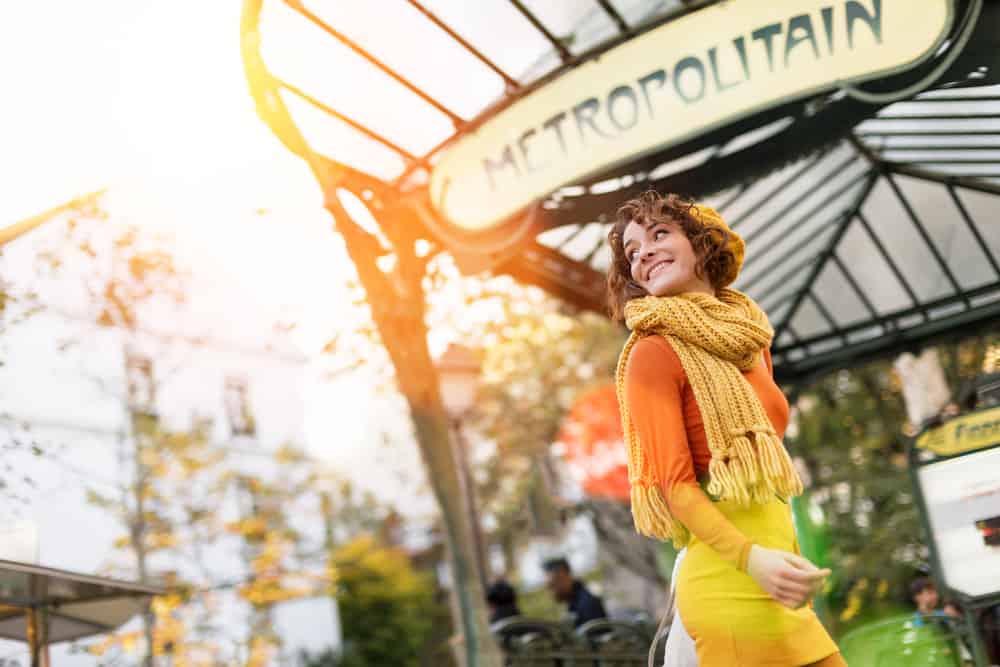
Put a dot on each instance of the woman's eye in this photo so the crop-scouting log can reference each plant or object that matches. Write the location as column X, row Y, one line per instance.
column 660, row 233
column 631, row 256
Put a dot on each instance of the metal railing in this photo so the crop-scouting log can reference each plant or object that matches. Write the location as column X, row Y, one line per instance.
column 527, row 642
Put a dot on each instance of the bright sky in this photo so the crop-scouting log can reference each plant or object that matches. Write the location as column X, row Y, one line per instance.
column 149, row 100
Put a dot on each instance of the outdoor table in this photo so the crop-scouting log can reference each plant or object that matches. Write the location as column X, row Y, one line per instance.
column 42, row 605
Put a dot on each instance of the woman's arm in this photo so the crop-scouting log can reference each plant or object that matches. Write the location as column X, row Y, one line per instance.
column 654, row 385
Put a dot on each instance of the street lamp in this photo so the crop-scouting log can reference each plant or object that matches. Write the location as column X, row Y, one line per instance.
column 458, row 372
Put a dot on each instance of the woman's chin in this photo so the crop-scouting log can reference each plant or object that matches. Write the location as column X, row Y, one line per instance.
column 664, row 289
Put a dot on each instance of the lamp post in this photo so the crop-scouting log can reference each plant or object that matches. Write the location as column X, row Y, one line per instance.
column 458, row 370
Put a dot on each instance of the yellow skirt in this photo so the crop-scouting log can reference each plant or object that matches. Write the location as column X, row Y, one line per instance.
column 733, row 622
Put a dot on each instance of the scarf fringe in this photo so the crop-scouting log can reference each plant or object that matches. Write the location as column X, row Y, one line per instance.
column 652, row 517
column 754, row 472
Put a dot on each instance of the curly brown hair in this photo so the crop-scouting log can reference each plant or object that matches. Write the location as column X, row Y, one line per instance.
column 711, row 245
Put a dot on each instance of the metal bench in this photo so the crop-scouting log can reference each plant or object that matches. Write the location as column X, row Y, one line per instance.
column 528, row 642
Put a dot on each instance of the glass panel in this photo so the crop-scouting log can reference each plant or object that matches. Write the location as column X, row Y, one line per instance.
column 945, row 311
column 805, row 240
column 982, row 208
column 774, row 298
column 785, row 340
column 499, row 31
column 637, row 12
column 752, row 137
column 305, row 56
column 808, row 321
column 833, row 290
column 602, row 258
column 338, row 141
column 868, row 333
column 962, row 253
column 813, row 202
column 14, row 628
column 64, row 629
column 554, row 238
column 584, row 243
column 582, row 22
column 870, row 269
column 418, row 50
column 755, row 207
column 719, row 198
column 931, row 115
column 797, row 354
column 677, row 165
column 826, row 346
column 109, row 612
column 892, row 225
column 984, row 299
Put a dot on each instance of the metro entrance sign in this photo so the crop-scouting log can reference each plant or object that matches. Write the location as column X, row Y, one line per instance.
column 671, row 83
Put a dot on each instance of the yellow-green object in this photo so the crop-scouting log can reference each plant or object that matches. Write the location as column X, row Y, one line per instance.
column 911, row 640
column 814, row 544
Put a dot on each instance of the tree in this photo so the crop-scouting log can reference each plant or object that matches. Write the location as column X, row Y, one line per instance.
column 539, row 360
column 138, row 274
column 542, row 362
column 388, row 610
column 173, row 481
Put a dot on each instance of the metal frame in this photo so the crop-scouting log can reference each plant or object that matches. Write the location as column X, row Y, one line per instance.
column 943, row 138
column 556, row 43
column 507, row 79
column 41, row 603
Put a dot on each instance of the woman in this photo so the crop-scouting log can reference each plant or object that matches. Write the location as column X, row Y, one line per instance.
column 703, row 422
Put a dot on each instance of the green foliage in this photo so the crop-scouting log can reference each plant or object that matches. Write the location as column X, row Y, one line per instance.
column 389, row 612
column 538, row 361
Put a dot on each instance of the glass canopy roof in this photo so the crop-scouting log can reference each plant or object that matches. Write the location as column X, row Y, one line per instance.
column 870, row 226
column 375, row 85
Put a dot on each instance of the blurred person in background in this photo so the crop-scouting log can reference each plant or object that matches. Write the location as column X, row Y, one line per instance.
column 502, row 600
column 583, row 605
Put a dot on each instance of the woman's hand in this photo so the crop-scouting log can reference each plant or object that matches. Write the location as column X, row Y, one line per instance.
column 789, row 579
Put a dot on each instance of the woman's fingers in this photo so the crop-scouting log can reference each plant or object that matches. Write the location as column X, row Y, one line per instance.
column 795, row 597
column 804, row 565
column 791, row 588
column 800, row 576
column 788, row 578
column 799, row 581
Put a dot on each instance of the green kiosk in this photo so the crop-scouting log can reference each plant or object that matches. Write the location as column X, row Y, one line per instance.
column 956, row 477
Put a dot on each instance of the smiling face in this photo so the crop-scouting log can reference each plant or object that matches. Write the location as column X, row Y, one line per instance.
column 696, row 250
column 662, row 260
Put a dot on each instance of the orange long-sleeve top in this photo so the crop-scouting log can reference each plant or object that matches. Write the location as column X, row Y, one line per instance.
column 669, row 427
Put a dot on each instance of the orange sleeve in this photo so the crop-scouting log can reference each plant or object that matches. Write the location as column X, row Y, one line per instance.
column 654, row 384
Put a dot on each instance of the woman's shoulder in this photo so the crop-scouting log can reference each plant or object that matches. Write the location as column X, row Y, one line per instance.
column 652, row 358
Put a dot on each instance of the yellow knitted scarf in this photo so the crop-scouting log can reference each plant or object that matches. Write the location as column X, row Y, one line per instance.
column 715, row 338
